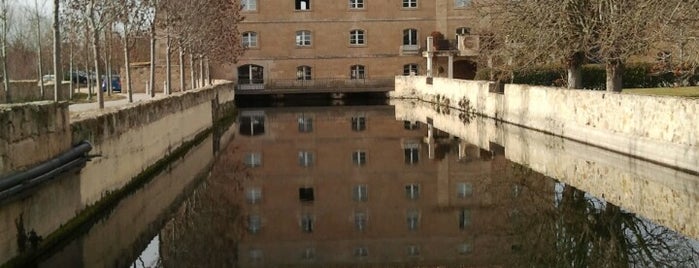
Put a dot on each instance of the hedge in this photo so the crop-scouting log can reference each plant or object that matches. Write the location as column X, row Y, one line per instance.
column 636, row 75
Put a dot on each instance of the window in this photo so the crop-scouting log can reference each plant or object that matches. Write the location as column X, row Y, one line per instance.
column 410, row 37
column 411, row 152
column 461, row 3
column 410, row 69
column 249, row 5
column 303, row 38
column 463, row 30
column 303, row 4
column 464, row 189
column 305, row 124
column 410, row 3
column 252, row 124
column 359, row 158
column 254, row 224
column 307, row 223
column 361, row 252
column 250, row 74
column 357, row 72
column 412, row 191
column 356, row 4
column 254, row 195
column 411, row 125
column 255, row 255
column 308, row 254
column 303, row 73
column 413, row 219
column 360, row 194
column 306, row 194
column 360, row 221
column 357, row 37
column 249, row 39
column 358, row 123
column 413, row 250
column 465, row 248
column 464, row 218
column 306, row 158
column 253, row 159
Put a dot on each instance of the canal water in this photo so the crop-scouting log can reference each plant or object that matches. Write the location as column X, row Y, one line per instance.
column 399, row 185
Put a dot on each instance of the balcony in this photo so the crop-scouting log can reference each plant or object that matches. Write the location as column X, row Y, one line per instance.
column 410, row 50
column 464, row 45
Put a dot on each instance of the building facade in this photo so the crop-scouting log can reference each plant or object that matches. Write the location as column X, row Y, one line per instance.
column 309, row 44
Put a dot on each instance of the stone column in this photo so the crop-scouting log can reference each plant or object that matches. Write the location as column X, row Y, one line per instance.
column 430, row 52
column 451, row 66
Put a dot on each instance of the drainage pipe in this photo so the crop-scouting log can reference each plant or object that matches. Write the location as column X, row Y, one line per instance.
column 75, row 157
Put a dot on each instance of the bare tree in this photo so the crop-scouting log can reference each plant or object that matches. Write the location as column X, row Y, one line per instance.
column 38, row 19
column 4, row 18
column 58, row 74
column 530, row 32
column 132, row 16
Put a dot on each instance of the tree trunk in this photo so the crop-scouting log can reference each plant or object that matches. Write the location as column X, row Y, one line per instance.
column 151, row 86
column 192, row 72
column 5, row 77
column 168, row 67
column 201, row 70
column 107, row 66
column 58, row 74
column 96, row 54
column 127, row 64
column 181, row 59
column 39, row 61
column 614, row 71
column 87, row 65
column 574, row 77
column 70, row 66
column 208, row 73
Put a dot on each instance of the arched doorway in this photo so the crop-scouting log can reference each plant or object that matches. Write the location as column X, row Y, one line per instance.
column 250, row 74
column 465, row 69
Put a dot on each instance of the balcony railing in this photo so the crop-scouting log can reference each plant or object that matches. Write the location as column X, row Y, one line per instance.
column 326, row 84
column 465, row 45
column 410, row 49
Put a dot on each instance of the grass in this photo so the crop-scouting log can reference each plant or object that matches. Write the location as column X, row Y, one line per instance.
column 82, row 97
column 689, row 92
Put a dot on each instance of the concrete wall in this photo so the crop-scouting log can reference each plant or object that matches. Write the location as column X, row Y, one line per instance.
column 128, row 140
column 658, row 193
column 32, row 133
column 662, row 129
column 29, row 90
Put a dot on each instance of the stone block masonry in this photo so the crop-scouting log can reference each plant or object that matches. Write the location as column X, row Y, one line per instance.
column 656, row 128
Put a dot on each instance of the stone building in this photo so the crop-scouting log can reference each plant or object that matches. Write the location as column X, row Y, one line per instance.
column 306, row 44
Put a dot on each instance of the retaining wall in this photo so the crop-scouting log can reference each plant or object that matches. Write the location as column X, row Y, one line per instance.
column 28, row 91
column 126, row 140
column 660, row 129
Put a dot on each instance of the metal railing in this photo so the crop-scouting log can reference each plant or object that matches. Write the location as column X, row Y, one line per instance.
column 317, row 84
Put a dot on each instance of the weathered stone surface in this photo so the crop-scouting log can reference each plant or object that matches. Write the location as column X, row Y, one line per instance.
column 663, row 129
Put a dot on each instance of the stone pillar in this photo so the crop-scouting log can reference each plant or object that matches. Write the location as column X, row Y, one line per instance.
column 451, row 66
column 430, row 52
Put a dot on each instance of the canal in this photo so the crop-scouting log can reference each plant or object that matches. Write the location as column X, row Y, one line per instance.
column 394, row 185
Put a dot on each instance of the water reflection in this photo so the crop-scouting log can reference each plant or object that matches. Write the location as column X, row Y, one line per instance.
column 401, row 186
column 347, row 186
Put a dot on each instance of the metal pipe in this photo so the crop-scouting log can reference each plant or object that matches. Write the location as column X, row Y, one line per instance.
column 48, row 167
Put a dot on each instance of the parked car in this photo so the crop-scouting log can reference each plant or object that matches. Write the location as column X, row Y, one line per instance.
column 78, row 77
column 116, row 83
column 47, row 79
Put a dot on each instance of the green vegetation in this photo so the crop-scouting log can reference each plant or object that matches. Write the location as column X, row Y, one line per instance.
column 691, row 92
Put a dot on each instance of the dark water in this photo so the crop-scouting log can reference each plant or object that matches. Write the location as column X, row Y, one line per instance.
column 348, row 186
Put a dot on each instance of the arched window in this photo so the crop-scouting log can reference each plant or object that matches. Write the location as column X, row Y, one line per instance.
column 303, row 38
column 303, row 73
column 410, row 37
column 249, row 39
column 357, row 37
column 357, row 72
column 409, row 69
column 250, row 74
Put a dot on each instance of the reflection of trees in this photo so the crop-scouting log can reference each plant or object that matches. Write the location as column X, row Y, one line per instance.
column 570, row 228
column 205, row 231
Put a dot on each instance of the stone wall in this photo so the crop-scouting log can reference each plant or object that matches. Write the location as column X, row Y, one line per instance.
column 662, row 129
column 658, row 193
column 32, row 133
column 126, row 141
column 29, row 90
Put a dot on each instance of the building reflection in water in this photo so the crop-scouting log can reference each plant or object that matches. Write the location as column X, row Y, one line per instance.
column 346, row 186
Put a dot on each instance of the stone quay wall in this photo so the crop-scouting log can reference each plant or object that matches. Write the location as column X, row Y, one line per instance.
column 656, row 128
column 126, row 141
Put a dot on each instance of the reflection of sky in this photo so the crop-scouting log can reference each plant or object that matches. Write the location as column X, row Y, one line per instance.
column 150, row 257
